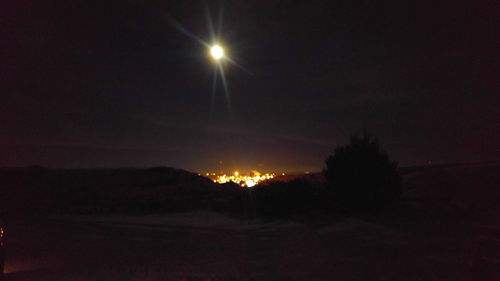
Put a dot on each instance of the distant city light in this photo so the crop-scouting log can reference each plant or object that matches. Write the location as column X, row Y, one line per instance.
column 243, row 180
column 249, row 183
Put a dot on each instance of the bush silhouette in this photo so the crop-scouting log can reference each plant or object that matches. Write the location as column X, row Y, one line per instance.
column 360, row 176
column 284, row 199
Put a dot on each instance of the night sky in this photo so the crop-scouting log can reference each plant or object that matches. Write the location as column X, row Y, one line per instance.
column 115, row 84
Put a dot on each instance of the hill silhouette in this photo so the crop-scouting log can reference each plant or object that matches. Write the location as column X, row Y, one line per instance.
column 39, row 190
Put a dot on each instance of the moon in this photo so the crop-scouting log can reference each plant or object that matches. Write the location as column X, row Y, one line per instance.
column 217, row 52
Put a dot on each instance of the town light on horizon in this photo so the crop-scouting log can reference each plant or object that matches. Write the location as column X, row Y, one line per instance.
column 248, row 180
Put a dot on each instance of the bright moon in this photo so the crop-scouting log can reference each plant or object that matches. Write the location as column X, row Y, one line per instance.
column 217, row 52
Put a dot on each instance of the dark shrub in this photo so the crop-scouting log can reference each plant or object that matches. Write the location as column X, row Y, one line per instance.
column 360, row 176
column 286, row 198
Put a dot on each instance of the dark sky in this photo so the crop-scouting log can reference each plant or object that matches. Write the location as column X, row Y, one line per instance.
column 113, row 83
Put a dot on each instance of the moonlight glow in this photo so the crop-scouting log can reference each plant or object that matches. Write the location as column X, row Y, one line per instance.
column 217, row 52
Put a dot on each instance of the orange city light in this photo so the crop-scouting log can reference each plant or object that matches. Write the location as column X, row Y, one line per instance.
column 243, row 180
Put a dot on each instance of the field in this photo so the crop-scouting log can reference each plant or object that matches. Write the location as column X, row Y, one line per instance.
column 448, row 230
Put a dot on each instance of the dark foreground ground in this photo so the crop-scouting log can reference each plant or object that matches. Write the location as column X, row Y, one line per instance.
column 208, row 246
column 448, row 229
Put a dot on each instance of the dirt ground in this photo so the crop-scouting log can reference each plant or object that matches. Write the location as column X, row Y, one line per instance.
column 211, row 246
column 449, row 229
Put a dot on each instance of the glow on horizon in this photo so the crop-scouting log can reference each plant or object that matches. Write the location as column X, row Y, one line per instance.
column 248, row 180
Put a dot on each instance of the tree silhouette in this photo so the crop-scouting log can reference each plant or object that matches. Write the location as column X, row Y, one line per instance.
column 360, row 176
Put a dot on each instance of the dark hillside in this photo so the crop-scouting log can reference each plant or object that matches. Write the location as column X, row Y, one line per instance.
column 37, row 190
column 464, row 188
